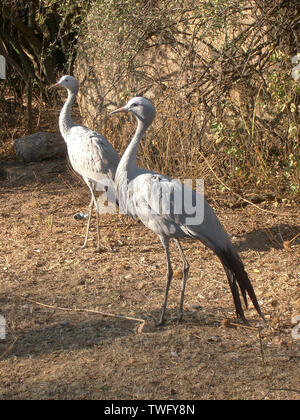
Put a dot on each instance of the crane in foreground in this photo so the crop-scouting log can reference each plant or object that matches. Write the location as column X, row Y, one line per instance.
column 151, row 197
column 90, row 154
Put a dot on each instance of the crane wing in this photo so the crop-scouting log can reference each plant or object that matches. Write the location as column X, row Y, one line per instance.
column 168, row 208
column 91, row 155
column 163, row 204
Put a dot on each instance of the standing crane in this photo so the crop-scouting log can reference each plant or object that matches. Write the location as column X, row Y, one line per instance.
column 149, row 196
column 90, row 154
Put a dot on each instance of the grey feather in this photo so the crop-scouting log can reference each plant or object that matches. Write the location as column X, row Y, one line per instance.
column 149, row 196
column 90, row 154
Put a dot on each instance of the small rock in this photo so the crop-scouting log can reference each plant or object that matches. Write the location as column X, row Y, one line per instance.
column 214, row 339
column 194, row 307
column 202, row 365
column 81, row 216
column 140, row 285
column 64, row 323
column 295, row 318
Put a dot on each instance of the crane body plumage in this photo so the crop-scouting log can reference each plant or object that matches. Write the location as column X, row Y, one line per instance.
column 93, row 157
column 150, row 197
column 90, row 154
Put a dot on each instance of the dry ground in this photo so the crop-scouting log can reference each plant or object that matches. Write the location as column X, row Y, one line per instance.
column 57, row 354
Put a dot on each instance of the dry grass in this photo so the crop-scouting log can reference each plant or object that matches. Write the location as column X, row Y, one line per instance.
column 70, row 354
column 58, row 354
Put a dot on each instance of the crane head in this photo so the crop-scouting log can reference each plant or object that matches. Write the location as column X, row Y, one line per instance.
column 140, row 107
column 69, row 82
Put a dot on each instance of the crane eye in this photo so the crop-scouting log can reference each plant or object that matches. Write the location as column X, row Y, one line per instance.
column 133, row 105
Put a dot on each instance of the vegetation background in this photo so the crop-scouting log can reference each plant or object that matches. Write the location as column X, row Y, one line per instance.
column 219, row 73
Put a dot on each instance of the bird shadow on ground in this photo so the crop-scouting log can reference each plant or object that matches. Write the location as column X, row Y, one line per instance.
column 265, row 239
column 62, row 336
column 72, row 334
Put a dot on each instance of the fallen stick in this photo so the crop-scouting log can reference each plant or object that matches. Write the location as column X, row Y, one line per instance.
column 93, row 311
column 233, row 324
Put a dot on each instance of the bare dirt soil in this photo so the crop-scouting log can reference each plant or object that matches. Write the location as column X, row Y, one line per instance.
column 73, row 353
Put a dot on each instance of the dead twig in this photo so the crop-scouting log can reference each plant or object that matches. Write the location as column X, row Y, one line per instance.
column 287, row 244
column 233, row 324
column 92, row 311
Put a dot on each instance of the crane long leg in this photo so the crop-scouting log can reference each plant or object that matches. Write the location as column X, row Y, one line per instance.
column 97, row 216
column 165, row 242
column 186, row 268
column 91, row 205
column 98, row 230
column 97, row 221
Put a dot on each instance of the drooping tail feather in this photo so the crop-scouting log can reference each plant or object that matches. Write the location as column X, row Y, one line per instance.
column 236, row 274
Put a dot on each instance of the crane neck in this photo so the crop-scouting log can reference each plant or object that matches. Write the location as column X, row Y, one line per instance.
column 128, row 161
column 65, row 120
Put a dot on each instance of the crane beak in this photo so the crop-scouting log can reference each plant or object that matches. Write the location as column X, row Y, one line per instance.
column 53, row 86
column 123, row 109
